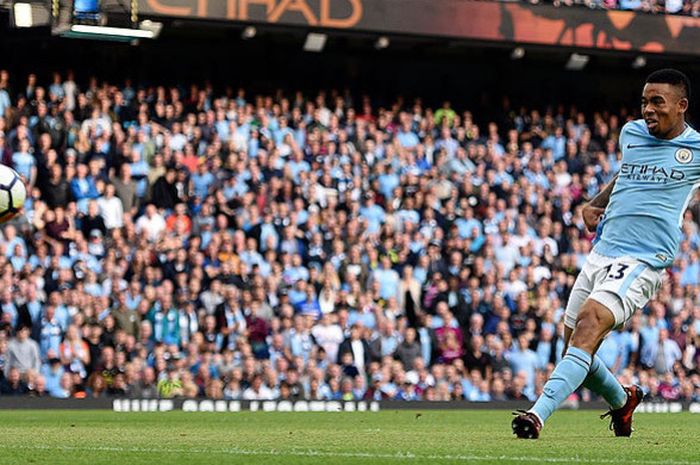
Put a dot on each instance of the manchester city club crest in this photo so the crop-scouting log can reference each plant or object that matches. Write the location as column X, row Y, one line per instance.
column 684, row 156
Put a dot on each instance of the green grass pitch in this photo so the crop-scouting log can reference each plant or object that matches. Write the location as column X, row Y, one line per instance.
column 387, row 437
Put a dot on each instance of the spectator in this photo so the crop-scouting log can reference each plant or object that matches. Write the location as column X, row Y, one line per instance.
column 257, row 331
column 151, row 224
column 93, row 221
column 22, row 353
column 83, row 187
column 74, row 352
column 171, row 385
column 65, row 387
column 126, row 319
column 24, row 162
column 358, row 347
column 477, row 359
column 13, row 385
column 56, row 191
column 53, row 372
column 96, row 387
column 111, row 208
column 38, row 388
column 387, row 278
column 329, row 336
column 661, row 355
column 164, row 191
column 125, row 189
column 257, row 390
column 408, row 350
column 5, row 102
column 51, row 332
column 524, row 363
column 386, row 341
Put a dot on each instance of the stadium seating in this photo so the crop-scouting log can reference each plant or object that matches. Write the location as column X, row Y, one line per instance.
column 178, row 242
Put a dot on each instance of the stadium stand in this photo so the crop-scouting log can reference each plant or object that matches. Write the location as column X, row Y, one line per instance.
column 678, row 7
column 183, row 243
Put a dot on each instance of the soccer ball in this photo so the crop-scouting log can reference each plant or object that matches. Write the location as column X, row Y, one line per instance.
column 12, row 193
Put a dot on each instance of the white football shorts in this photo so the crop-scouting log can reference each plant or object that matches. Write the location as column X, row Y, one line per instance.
column 622, row 284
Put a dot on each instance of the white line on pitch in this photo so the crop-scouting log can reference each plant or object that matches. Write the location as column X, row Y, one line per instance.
column 369, row 455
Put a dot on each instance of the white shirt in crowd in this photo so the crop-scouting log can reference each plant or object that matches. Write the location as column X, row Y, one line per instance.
column 358, row 351
column 151, row 227
column 112, row 212
column 329, row 337
column 540, row 242
column 264, row 393
column 70, row 88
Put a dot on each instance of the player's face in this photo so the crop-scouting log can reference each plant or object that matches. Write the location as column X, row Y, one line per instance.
column 663, row 108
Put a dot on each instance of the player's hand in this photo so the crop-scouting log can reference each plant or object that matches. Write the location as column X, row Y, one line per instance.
column 591, row 216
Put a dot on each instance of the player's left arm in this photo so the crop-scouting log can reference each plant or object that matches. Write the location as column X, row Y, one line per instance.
column 593, row 210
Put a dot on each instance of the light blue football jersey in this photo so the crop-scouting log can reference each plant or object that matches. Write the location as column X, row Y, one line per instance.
column 656, row 181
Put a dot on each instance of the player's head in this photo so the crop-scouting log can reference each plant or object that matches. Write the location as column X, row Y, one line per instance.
column 664, row 102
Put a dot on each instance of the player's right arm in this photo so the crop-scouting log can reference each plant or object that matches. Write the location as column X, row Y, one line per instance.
column 593, row 210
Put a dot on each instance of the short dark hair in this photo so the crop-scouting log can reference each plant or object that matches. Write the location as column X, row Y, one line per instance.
column 672, row 77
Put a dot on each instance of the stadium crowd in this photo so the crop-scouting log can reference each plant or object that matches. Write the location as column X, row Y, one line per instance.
column 676, row 7
column 179, row 242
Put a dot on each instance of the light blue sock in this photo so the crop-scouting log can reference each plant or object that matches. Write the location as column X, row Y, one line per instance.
column 601, row 381
column 565, row 379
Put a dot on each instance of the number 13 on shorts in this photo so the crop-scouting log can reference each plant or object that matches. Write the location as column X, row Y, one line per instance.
column 616, row 270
